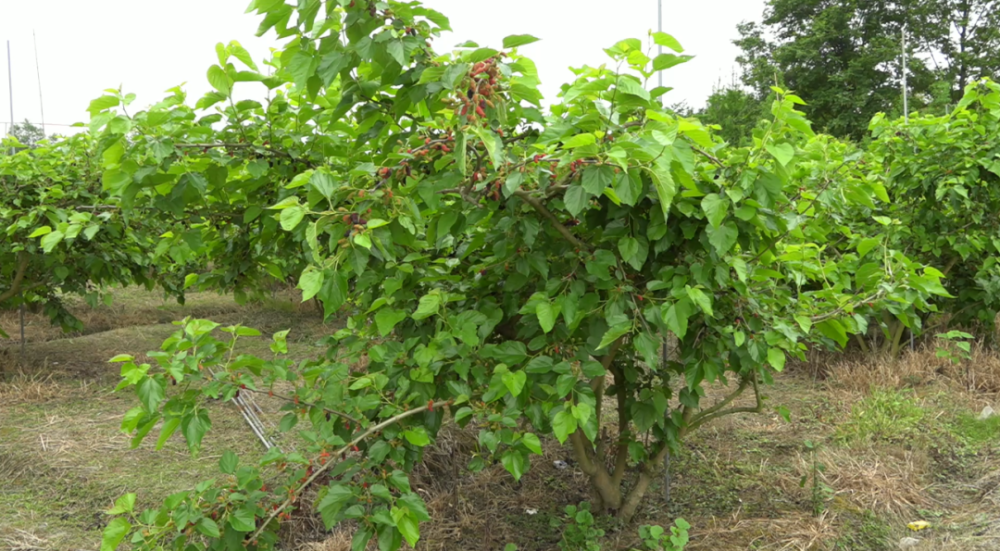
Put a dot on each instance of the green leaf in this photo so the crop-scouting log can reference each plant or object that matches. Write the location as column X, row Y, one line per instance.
column 563, row 425
column 387, row 318
column 833, row 329
column 219, row 80
column 208, row 527
column 723, row 238
column 228, row 462
column 664, row 39
column 44, row 230
column 580, row 140
column 546, row 316
column 715, row 207
column 776, row 357
column 515, row 40
column 676, row 317
column 575, row 199
column 124, row 504
column 410, row 530
column 513, row 461
column 151, row 393
column 596, row 179
column 666, row 188
column 242, row 520
column 417, row 436
column 532, row 442
column 336, row 497
column 663, row 62
column 291, row 217
column 50, row 240
column 613, row 334
column 866, row 245
column 494, row 145
column 102, row 103
column 114, row 533
column 701, row 299
column 629, row 86
column 514, row 381
column 782, row 152
column 397, row 51
column 310, row 282
column 628, row 247
column 429, row 305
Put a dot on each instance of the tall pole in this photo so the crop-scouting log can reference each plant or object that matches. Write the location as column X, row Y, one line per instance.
column 10, row 87
column 659, row 28
column 10, row 84
column 38, row 71
column 906, row 104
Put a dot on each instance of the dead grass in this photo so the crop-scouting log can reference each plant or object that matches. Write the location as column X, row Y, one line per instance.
column 980, row 374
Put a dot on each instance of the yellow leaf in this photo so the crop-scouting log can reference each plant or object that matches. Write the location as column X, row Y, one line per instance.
column 918, row 525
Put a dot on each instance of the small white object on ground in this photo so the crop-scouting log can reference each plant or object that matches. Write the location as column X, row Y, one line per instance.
column 986, row 413
column 531, row 511
column 908, row 543
column 560, row 464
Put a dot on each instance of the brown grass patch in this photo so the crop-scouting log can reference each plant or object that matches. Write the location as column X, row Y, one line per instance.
column 980, row 374
column 886, row 481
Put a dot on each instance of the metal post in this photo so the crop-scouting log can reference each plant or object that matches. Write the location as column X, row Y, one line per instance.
column 10, row 87
column 906, row 104
column 10, row 84
column 659, row 48
column 38, row 71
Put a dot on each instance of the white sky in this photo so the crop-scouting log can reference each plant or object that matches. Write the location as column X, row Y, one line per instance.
column 147, row 46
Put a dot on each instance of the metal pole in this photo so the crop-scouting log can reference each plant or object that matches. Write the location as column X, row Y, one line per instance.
column 38, row 71
column 659, row 28
column 10, row 87
column 10, row 84
column 906, row 104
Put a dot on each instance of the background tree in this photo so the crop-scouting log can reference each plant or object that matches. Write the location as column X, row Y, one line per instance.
column 843, row 56
column 963, row 41
column 27, row 133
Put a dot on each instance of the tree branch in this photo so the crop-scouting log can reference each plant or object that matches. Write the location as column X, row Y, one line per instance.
column 345, row 449
column 15, row 284
column 538, row 206
column 716, row 411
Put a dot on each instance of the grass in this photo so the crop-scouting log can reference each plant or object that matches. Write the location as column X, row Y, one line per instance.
column 898, row 442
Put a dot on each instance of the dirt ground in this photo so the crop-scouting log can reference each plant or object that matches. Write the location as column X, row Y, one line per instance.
column 879, row 444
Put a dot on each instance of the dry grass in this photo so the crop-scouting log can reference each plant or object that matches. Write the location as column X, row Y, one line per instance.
column 980, row 374
column 892, row 483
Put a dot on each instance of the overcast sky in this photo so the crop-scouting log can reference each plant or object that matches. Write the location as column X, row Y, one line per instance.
column 146, row 46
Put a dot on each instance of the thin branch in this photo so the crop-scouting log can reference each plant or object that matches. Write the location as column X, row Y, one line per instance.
column 716, row 412
column 538, row 206
column 345, row 449
column 715, row 160
column 840, row 310
column 15, row 284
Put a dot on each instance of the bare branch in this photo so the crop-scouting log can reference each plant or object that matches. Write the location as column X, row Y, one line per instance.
column 345, row 449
